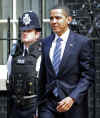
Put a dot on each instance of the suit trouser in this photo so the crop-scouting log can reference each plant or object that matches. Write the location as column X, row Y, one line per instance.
column 48, row 110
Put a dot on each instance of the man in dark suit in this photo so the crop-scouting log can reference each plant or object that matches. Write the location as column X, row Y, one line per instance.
column 65, row 78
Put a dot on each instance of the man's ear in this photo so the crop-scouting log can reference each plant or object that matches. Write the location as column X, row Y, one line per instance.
column 37, row 35
column 69, row 19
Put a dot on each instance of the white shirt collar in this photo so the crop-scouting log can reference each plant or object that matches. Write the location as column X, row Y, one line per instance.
column 25, row 48
column 63, row 36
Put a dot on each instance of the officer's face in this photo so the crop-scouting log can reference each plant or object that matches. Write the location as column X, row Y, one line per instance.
column 29, row 36
column 59, row 21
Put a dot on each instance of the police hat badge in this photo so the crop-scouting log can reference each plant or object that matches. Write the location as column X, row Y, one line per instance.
column 29, row 21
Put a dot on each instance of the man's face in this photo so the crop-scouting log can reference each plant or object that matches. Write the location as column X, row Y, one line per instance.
column 59, row 21
column 29, row 36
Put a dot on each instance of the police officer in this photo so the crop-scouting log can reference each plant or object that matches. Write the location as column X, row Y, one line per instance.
column 21, row 68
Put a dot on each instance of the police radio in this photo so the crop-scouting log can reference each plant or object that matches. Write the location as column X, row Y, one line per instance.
column 17, row 48
column 13, row 50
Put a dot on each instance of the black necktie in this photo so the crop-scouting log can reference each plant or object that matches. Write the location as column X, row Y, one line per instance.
column 25, row 52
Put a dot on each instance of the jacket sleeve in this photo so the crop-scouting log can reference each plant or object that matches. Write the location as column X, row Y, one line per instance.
column 87, row 71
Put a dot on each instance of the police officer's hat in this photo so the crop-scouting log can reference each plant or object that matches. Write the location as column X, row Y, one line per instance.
column 28, row 21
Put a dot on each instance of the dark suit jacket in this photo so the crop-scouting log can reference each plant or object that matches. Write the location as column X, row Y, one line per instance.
column 76, row 71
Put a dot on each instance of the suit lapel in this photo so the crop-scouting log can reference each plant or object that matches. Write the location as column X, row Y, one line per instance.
column 67, row 51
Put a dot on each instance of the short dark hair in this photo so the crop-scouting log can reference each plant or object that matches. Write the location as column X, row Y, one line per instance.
column 64, row 7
